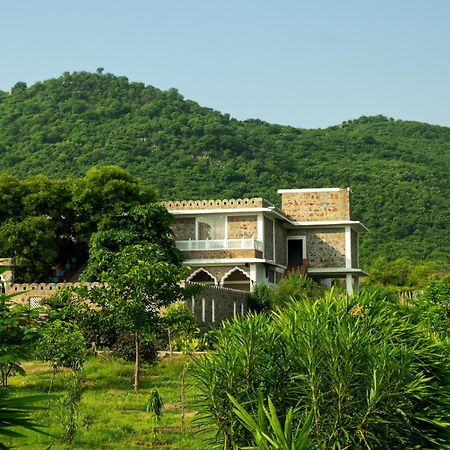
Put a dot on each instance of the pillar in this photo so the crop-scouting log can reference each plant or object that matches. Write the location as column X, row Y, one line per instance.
column 349, row 284
column 356, row 284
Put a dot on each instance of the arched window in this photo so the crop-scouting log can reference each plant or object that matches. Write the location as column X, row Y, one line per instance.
column 202, row 276
column 237, row 279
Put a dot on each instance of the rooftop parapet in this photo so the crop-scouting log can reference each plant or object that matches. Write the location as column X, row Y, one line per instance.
column 178, row 205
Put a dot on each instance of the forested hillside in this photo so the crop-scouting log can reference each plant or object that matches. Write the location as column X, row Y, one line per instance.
column 398, row 171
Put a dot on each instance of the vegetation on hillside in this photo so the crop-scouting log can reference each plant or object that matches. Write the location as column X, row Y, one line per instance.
column 398, row 170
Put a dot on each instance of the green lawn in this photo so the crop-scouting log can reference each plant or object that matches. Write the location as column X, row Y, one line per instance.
column 112, row 415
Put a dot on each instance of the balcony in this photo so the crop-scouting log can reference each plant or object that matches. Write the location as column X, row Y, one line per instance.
column 220, row 244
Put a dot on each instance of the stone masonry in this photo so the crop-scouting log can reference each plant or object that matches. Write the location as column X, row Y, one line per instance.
column 313, row 205
column 184, row 228
column 213, row 305
column 280, row 243
column 242, row 227
column 268, row 238
column 325, row 247
column 212, row 204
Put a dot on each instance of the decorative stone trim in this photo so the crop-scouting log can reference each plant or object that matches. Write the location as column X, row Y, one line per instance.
column 223, row 204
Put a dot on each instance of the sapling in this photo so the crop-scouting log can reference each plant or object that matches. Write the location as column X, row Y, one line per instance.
column 154, row 405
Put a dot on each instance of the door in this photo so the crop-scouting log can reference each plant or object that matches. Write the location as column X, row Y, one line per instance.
column 295, row 252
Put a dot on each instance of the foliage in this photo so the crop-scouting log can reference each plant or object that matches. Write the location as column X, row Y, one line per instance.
column 179, row 323
column 33, row 244
column 370, row 376
column 68, row 404
column 155, row 405
column 296, row 286
column 47, row 223
column 141, row 280
column 62, row 344
column 17, row 333
column 261, row 298
column 267, row 431
column 402, row 272
column 434, row 306
column 15, row 412
column 398, row 170
column 85, row 308
column 124, row 348
column 140, row 225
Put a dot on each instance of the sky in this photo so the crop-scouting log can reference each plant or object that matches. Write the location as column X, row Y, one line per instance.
column 308, row 64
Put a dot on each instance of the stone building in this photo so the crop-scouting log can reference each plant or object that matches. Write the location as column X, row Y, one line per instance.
column 237, row 243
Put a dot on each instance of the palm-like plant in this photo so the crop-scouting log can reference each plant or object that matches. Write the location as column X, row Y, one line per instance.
column 266, row 429
column 16, row 413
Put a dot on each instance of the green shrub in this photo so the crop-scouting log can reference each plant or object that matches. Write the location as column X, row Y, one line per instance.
column 296, row 286
column 433, row 306
column 261, row 298
column 125, row 348
column 63, row 345
column 369, row 375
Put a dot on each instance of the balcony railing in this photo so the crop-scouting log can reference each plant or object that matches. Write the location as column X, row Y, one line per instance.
column 220, row 244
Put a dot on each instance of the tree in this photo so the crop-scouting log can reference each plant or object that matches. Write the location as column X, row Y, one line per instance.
column 141, row 280
column 105, row 192
column 141, row 224
column 33, row 244
column 63, row 345
column 17, row 334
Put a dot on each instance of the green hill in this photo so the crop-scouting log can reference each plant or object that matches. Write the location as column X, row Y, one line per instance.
column 398, row 171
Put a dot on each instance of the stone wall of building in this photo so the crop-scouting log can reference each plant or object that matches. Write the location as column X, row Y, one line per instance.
column 354, row 237
column 268, row 239
column 239, row 227
column 213, row 305
column 317, row 205
column 222, row 254
column 181, row 205
column 280, row 243
column 325, row 247
column 184, row 228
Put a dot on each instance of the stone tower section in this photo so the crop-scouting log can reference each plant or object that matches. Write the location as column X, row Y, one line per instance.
column 312, row 205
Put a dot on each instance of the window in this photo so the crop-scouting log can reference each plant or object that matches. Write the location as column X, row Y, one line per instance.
column 211, row 227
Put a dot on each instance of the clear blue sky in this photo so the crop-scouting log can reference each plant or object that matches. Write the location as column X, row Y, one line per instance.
column 308, row 63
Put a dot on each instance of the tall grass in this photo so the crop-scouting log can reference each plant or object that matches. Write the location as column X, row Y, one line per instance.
column 367, row 373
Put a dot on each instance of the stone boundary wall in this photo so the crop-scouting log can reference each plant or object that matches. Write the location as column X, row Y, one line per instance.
column 213, row 204
column 215, row 304
column 210, row 307
column 24, row 292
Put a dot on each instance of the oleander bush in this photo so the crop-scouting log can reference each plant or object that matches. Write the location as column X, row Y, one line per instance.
column 369, row 374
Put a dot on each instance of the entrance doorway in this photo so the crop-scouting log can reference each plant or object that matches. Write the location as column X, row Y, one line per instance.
column 295, row 252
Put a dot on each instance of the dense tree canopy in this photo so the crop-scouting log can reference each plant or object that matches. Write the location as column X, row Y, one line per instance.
column 398, row 170
column 46, row 224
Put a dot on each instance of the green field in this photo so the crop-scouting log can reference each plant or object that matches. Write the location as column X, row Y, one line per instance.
column 111, row 414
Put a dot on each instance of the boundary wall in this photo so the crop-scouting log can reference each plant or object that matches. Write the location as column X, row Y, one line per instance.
column 210, row 307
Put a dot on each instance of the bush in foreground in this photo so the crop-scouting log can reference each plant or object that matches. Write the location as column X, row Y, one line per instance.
column 369, row 376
